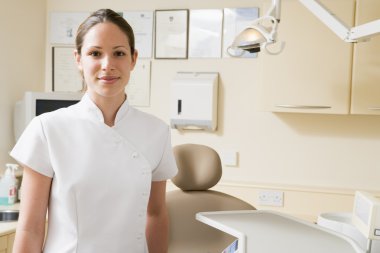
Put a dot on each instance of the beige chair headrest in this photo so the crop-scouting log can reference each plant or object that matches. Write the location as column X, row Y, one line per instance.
column 199, row 167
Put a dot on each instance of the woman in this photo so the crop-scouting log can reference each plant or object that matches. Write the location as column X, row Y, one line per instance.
column 99, row 167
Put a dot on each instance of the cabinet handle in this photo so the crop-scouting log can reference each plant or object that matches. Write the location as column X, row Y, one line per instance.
column 305, row 106
column 374, row 108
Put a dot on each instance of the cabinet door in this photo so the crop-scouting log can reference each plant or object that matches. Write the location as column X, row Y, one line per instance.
column 313, row 73
column 11, row 239
column 3, row 243
column 366, row 66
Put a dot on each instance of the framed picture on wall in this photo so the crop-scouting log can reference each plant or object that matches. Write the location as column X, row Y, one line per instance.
column 138, row 88
column 142, row 24
column 64, row 25
column 235, row 21
column 205, row 33
column 65, row 73
column 171, row 35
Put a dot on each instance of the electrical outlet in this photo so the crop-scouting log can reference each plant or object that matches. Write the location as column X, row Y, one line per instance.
column 271, row 198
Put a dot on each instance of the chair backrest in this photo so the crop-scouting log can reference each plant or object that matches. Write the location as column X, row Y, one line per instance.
column 199, row 168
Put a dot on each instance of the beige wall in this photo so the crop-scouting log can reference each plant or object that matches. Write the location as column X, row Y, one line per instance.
column 319, row 159
column 22, row 37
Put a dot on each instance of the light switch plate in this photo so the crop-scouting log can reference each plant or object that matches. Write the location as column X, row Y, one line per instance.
column 229, row 158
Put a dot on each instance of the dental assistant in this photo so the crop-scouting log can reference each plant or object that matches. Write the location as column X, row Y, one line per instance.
column 99, row 167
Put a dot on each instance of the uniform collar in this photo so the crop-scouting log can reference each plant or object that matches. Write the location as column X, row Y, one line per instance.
column 96, row 113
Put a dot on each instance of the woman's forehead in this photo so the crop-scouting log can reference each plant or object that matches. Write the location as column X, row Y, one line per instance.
column 105, row 33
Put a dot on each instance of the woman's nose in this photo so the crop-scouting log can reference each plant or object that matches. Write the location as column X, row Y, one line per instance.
column 107, row 63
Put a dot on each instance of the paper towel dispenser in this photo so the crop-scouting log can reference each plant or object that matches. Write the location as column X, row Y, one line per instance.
column 194, row 100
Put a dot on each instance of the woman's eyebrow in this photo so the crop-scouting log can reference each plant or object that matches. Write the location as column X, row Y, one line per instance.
column 120, row 46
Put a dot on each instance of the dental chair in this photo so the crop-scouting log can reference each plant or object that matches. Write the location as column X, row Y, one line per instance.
column 199, row 168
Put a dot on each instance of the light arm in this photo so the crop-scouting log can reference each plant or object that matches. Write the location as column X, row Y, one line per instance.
column 347, row 34
column 256, row 36
column 275, row 10
column 365, row 30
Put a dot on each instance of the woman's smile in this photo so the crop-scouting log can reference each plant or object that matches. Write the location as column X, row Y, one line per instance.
column 108, row 79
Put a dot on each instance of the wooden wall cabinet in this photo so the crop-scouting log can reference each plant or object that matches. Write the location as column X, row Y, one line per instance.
column 6, row 243
column 366, row 65
column 11, row 239
column 3, row 244
column 313, row 73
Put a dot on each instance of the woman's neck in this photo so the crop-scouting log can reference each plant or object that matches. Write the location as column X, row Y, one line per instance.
column 109, row 107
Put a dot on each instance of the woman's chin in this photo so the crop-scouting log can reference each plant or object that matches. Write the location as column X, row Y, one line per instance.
column 108, row 92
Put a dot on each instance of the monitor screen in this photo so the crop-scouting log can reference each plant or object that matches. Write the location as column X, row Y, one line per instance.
column 49, row 105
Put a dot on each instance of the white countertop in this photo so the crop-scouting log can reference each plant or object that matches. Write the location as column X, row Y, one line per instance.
column 8, row 227
column 269, row 231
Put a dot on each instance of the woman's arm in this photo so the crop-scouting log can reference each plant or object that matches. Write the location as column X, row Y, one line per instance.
column 30, row 232
column 157, row 229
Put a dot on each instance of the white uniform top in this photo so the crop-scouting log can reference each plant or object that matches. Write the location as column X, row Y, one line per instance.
column 101, row 175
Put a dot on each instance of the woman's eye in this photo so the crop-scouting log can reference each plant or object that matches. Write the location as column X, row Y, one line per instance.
column 119, row 53
column 95, row 53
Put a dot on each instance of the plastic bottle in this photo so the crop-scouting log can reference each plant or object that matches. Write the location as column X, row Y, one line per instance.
column 8, row 189
column 15, row 167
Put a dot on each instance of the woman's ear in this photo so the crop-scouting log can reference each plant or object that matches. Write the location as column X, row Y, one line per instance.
column 134, row 58
column 78, row 60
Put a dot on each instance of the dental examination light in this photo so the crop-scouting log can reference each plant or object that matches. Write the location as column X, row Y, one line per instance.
column 257, row 37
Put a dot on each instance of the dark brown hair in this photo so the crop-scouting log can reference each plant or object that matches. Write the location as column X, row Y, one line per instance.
column 102, row 16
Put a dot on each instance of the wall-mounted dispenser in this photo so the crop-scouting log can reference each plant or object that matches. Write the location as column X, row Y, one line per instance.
column 194, row 100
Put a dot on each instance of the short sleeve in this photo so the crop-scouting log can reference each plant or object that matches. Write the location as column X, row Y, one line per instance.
column 167, row 168
column 31, row 149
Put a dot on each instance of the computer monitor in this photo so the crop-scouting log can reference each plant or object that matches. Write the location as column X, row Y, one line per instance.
column 36, row 103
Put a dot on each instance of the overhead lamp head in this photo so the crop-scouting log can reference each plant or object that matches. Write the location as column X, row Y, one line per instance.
column 257, row 36
column 252, row 39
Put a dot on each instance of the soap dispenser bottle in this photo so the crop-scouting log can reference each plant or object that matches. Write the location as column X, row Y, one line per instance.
column 8, row 192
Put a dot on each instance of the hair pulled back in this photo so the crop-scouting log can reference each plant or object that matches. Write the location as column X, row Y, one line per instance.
column 103, row 16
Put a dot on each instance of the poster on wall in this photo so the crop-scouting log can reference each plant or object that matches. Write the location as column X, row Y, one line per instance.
column 171, row 34
column 142, row 25
column 235, row 21
column 64, row 26
column 138, row 88
column 66, row 76
column 205, row 33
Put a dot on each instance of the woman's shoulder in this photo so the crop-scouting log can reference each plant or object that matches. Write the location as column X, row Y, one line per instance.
column 59, row 115
column 145, row 118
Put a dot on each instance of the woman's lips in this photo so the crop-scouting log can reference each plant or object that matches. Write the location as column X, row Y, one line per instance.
column 108, row 79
